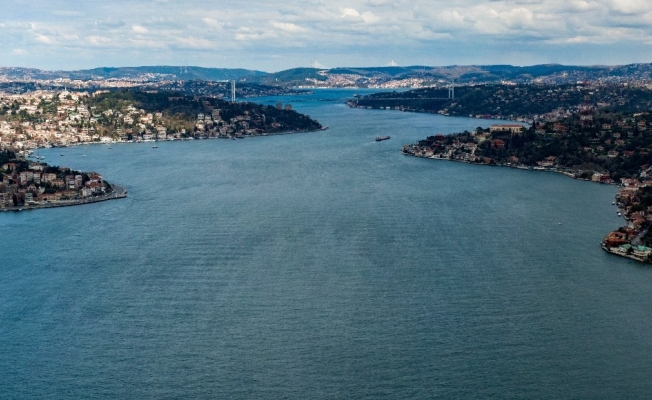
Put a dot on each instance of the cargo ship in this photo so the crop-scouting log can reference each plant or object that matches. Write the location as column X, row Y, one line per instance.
column 381, row 138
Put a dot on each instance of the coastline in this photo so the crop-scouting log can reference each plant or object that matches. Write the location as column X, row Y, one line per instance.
column 630, row 235
column 619, row 253
column 31, row 150
column 119, row 192
column 520, row 118
column 520, row 166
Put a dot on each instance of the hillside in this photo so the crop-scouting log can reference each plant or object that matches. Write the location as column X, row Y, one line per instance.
column 61, row 119
column 425, row 76
column 526, row 102
column 409, row 76
column 152, row 73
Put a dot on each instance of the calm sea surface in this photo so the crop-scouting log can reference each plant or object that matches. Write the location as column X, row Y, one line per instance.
column 321, row 265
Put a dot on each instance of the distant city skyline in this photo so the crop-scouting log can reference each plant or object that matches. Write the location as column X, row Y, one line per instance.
column 273, row 36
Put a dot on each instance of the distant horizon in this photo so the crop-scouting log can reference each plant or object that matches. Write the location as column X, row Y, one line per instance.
column 276, row 36
column 325, row 68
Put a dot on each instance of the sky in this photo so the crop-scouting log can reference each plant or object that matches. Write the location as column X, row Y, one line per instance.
column 276, row 35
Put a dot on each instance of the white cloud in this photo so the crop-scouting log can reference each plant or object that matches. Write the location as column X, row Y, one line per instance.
column 629, row 6
column 355, row 30
column 288, row 27
column 195, row 43
column 249, row 34
column 350, row 13
column 44, row 39
column 98, row 40
column 213, row 23
column 139, row 29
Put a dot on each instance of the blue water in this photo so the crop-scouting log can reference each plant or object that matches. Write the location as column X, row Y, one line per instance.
column 321, row 265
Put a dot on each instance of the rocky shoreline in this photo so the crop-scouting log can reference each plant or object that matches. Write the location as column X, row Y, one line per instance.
column 118, row 192
column 625, row 241
column 29, row 152
column 569, row 174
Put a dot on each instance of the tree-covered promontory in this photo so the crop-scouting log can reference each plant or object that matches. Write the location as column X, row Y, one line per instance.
column 178, row 112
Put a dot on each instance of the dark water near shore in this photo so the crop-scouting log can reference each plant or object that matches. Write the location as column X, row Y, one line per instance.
column 321, row 265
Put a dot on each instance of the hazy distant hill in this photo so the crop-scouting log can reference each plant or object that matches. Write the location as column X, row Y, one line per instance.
column 294, row 76
column 354, row 76
column 152, row 73
column 550, row 73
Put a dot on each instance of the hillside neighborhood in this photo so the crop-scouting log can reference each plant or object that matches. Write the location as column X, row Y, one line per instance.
column 35, row 184
column 47, row 118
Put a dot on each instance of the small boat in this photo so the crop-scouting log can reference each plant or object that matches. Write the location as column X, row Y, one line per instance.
column 613, row 203
column 155, row 147
column 381, row 138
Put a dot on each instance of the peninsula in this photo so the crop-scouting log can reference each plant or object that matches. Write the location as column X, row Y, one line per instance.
column 62, row 118
column 28, row 185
